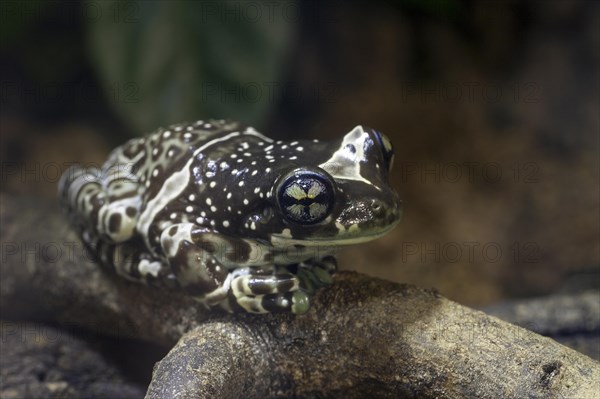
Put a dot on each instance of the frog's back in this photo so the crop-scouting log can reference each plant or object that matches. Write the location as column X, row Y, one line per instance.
column 150, row 158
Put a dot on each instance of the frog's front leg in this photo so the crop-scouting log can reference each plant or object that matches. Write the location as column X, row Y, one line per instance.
column 231, row 272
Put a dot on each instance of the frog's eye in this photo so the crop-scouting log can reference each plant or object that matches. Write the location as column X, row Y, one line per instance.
column 386, row 149
column 305, row 196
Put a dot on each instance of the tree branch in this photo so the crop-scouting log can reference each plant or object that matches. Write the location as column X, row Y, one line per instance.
column 363, row 337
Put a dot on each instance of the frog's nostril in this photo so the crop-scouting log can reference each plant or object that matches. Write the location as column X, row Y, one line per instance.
column 377, row 207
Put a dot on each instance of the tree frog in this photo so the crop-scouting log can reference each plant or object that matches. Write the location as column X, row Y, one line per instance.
column 232, row 217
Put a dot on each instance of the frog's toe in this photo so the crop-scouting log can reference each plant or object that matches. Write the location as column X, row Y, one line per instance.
column 313, row 277
column 300, row 302
column 296, row 302
column 255, row 285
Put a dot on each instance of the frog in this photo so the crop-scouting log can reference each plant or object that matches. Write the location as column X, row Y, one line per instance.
column 233, row 218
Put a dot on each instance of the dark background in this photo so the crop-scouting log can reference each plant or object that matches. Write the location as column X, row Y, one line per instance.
column 492, row 107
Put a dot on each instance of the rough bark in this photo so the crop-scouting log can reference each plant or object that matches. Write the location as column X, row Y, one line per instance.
column 363, row 337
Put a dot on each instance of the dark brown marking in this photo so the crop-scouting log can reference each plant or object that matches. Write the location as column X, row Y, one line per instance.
column 114, row 222
column 206, row 246
column 262, row 285
column 136, row 166
column 174, row 150
column 272, row 302
column 233, row 304
column 131, row 211
column 196, row 273
column 173, row 230
column 240, row 251
column 127, row 194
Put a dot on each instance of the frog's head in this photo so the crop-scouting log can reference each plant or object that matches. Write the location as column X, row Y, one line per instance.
column 337, row 194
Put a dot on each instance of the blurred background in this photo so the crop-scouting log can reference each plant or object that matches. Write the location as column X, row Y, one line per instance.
column 492, row 106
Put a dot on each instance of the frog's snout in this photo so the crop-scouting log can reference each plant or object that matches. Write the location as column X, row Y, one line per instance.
column 384, row 212
column 382, row 208
column 373, row 214
column 378, row 208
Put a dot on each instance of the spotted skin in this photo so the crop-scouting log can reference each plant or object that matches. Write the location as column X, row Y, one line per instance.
column 232, row 217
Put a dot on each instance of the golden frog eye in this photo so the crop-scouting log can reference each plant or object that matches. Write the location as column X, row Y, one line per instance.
column 306, row 196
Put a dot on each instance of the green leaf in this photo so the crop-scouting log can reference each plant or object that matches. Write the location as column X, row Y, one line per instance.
column 169, row 61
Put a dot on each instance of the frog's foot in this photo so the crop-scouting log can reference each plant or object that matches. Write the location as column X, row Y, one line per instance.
column 316, row 274
column 251, row 284
column 258, row 290
column 287, row 289
column 296, row 302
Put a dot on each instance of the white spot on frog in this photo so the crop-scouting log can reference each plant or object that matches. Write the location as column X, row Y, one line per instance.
column 344, row 163
column 146, row 267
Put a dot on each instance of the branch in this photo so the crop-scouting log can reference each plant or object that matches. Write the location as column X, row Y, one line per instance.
column 363, row 337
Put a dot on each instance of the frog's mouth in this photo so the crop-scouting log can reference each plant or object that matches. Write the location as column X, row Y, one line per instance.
column 345, row 235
